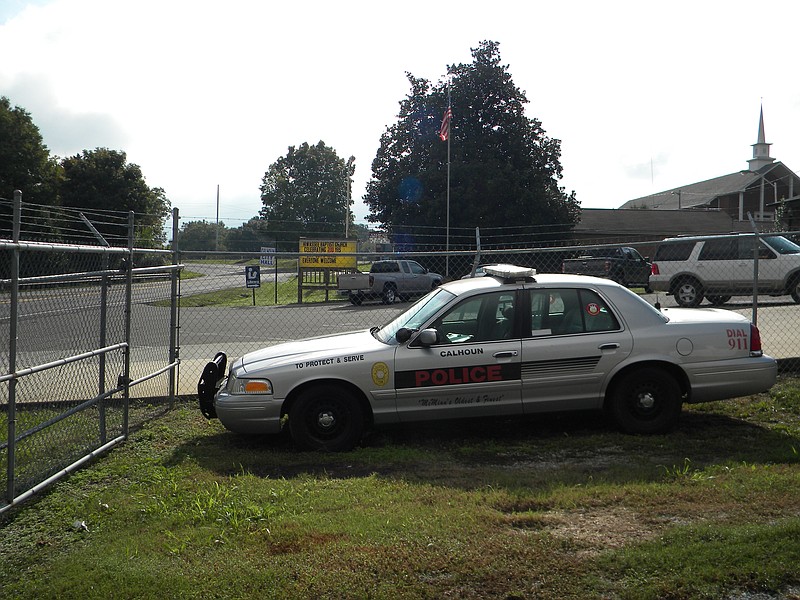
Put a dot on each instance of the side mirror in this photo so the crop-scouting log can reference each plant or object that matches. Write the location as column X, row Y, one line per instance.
column 428, row 337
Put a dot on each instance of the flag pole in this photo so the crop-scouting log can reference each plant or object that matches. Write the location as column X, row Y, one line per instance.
column 444, row 135
column 449, row 131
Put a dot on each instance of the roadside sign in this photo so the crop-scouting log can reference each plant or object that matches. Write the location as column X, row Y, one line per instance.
column 267, row 256
column 252, row 276
column 327, row 254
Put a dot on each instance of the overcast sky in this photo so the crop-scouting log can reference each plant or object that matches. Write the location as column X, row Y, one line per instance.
column 644, row 96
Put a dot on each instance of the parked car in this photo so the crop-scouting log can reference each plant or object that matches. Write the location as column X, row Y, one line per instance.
column 621, row 263
column 509, row 343
column 389, row 280
column 719, row 267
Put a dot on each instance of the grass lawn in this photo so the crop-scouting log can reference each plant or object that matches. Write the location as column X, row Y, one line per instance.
column 559, row 506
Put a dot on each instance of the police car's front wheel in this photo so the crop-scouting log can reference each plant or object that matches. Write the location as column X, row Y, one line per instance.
column 326, row 417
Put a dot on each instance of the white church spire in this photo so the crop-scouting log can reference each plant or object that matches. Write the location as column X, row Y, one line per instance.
column 761, row 155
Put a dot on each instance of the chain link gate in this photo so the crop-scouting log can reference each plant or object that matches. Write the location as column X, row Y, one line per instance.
column 92, row 350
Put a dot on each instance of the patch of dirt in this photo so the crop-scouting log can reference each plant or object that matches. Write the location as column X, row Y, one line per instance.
column 601, row 528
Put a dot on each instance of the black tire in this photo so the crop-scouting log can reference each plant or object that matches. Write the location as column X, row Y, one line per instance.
column 326, row 417
column 794, row 289
column 356, row 299
column 718, row 300
column 389, row 295
column 688, row 293
column 646, row 401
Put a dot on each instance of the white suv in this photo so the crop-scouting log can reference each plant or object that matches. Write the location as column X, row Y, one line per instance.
column 718, row 267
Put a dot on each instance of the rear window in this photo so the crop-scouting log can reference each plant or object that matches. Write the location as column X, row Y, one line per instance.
column 597, row 252
column 674, row 251
column 385, row 267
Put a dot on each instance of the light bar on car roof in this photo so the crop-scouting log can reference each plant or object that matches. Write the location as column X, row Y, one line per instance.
column 510, row 272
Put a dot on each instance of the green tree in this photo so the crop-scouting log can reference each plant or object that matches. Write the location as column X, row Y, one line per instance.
column 504, row 170
column 103, row 180
column 25, row 165
column 305, row 194
column 202, row 235
column 250, row 237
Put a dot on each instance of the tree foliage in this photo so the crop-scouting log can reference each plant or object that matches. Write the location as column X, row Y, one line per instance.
column 504, row 169
column 97, row 182
column 250, row 237
column 25, row 163
column 305, row 194
column 202, row 235
column 103, row 180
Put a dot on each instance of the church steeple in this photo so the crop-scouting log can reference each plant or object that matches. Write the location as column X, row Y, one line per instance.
column 761, row 155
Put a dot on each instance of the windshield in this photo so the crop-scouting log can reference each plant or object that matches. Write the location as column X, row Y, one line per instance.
column 781, row 245
column 419, row 313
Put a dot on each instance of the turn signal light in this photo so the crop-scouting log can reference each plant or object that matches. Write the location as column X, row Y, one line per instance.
column 251, row 386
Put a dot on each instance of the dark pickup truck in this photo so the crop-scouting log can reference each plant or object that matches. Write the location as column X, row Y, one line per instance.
column 622, row 264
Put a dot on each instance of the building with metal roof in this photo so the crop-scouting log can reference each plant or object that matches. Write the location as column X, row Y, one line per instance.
column 768, row 191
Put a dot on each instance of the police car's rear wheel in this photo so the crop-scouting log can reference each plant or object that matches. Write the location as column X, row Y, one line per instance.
column 326, row 417
column 646, row 401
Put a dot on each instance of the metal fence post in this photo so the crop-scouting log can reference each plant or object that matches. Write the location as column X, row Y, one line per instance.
column 174, row 351
column 128, row 314
column 12, row 350
column 101, row 378
column 754, row 318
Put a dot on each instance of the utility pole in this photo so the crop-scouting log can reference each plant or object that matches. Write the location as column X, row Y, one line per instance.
column 216, row 239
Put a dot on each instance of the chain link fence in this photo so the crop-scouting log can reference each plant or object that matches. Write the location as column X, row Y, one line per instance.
column 219, row 312
column 90, row 352
column 100, row 338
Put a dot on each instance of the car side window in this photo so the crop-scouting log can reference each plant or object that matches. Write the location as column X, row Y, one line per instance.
column 719, row 250
column 569, row 311
column 746, row 249
column 484, row 318
column 674, row 251
column 634, row 255
column 416, row 268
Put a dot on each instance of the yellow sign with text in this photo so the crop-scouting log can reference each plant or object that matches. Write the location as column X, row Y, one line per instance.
column 327, row 254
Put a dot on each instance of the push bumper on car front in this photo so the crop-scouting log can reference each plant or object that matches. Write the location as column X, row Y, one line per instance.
column 210, row 379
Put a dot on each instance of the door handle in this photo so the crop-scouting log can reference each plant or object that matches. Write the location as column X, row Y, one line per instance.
column 505, row 354
column 609, row 346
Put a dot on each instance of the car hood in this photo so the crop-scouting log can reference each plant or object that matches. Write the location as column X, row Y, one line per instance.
column 318, row 348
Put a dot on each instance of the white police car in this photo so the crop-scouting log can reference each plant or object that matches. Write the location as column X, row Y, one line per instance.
column 509, row 343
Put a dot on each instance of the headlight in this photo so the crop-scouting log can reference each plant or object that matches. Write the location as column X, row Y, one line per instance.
column 250, row 386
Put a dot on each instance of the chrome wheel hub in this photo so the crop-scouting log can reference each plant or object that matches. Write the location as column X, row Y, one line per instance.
column 326, row 420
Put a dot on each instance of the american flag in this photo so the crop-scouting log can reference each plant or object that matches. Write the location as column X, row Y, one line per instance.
column 444, row 130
